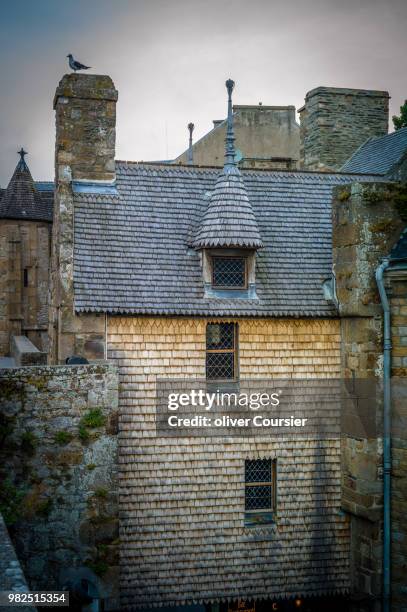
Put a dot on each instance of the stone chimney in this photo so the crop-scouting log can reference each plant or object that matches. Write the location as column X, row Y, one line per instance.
column 336, row 121
column 85, row 112
column 85, row 108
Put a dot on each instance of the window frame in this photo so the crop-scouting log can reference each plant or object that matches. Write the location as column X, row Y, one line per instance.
column 229, row 287
column 233, row 350
column 257, row 516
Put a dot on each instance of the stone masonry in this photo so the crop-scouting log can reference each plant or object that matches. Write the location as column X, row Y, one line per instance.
column 366, row 225
column 58, row 470
column 11, row 575
column 24, row 273
column 84, row 151
column 398, row 301
column 336, row 121
column 182, row 500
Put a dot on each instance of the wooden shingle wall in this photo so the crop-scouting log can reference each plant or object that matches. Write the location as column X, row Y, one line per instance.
column 181, row 502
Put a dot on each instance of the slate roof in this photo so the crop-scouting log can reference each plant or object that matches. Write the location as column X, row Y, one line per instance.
column 24, row 199
column 229, row 220
column 133, row 251
column 379, row 155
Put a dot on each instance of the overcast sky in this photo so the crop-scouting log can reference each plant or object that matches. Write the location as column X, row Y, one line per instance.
column 169, row 60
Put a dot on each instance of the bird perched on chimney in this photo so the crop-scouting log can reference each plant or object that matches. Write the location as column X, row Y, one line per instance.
column 76, row 65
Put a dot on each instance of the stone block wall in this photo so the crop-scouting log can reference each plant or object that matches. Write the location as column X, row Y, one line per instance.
column 58, row 467
column 182, row 499
column 11, row 575
column 336, row 121
column 367, row 222
column 397, row 290
column 24, row 271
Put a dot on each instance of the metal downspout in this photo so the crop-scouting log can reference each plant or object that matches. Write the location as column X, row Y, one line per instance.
column 386, row 433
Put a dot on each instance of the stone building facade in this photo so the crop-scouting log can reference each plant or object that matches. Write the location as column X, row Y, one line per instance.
column 266, row 137
column 336, row 121
column 135, row 285
column 137, row 254
column 25, row 246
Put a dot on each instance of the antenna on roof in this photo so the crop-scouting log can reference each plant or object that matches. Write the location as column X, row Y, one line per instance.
column 190, row 150
column 230, row 136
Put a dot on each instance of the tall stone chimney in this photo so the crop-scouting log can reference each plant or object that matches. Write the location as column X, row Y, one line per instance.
column 85, row 107
column 85, row 111
column 336, row 121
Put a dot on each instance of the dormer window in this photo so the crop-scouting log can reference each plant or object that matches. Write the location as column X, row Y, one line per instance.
column 229, row 272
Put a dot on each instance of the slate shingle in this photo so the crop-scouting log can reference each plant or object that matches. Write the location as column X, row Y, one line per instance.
column 229, row 220
column 379, row 155
column 133, row 252
column 24, row 199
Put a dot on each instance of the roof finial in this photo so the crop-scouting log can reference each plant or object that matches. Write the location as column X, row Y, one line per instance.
column 190, row 150
column 22, row 154
column 230, row 137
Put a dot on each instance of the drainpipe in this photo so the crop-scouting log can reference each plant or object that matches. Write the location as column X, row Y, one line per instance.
column 386, row 433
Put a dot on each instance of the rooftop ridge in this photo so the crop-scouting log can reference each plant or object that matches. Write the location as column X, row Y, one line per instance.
column 215, row 169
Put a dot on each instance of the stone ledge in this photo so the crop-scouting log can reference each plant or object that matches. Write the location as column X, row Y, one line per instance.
column 25, row 352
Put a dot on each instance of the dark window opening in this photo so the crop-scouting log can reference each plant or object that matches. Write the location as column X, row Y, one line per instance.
column 260, row 485
column 25, row 277
column 229, row 272
column 221, row 351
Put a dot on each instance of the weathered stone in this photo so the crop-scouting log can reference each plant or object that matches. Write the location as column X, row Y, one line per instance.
column 336, row 121
column 50, row 534
column 85, row 107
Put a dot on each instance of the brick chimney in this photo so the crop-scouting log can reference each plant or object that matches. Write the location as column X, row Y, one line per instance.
column 336, row 121
column 85, row 112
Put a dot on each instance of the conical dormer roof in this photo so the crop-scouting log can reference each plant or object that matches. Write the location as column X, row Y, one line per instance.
column 229, row 220
column 21, row 199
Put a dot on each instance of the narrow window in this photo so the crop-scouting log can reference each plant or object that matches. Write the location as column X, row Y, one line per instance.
column 25, row 277
column 221, row 351
column 229, row 272
column 260, row 485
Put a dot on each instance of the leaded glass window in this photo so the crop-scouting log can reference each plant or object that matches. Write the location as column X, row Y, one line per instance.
column 221, row 345
column 259, row 485
column 229, row 272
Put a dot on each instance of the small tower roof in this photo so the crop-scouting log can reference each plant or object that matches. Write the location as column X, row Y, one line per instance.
column 21, row 199
column 229, row 220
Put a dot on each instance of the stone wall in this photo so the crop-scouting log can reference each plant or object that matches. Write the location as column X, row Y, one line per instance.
column 336, row 121
column 58, row 469
column 11, row 575
column 24, row 270
column 262, row 132
column 85, row 111
column 398, row 301
column 182, row 499
column 366, row 225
